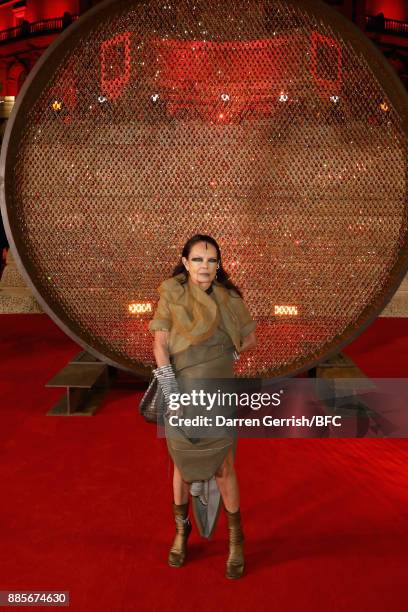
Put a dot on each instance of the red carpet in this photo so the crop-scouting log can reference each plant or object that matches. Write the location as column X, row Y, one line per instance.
column 86, row 502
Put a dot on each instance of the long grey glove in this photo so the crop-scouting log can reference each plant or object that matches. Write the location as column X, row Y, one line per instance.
column 168, row 384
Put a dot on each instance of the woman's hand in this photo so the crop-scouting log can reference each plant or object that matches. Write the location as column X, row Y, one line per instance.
column 249, row 342
column 167, row 380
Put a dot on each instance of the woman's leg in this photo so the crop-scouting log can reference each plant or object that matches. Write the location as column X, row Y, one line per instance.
column 178, row 550
column 228, row 486
column 227, row 482
column 180, row 488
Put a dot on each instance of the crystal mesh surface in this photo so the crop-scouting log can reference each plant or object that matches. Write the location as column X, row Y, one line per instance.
column 259, row 124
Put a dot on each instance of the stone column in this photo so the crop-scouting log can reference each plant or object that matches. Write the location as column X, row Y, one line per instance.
column 15, row 296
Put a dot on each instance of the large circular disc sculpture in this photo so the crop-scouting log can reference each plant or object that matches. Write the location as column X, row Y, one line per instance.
column 274, row 126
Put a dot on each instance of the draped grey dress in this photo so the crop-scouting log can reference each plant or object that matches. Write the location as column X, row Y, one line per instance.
column 199, row 460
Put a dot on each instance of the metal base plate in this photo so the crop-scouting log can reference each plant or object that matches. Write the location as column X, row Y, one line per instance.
column 88, row 407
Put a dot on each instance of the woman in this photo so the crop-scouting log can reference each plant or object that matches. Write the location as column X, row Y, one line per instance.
column 200, row 323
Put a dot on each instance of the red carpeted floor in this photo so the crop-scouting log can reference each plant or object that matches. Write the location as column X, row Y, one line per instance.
column 86, row 502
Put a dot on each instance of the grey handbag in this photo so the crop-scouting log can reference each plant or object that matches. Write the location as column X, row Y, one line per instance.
column 152, row 405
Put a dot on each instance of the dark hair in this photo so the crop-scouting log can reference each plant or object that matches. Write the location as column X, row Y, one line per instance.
column 222, row 275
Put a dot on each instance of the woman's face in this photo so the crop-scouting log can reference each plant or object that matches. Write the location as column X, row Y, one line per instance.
column 202, row 264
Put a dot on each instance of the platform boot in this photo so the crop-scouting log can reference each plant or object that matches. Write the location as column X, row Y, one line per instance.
column 235, row 563
column 178, row 551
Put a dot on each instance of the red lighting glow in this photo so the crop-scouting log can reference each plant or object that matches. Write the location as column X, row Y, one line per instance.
column 327, row 48
column 115, row 65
